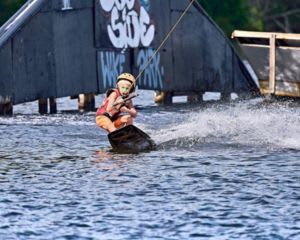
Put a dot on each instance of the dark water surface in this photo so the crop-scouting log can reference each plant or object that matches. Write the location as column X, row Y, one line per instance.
column 223, row 171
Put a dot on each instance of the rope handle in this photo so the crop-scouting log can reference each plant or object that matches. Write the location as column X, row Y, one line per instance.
column 132, row 95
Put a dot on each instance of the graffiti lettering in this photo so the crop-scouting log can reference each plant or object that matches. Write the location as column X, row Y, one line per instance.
column 66, row 5
column 107, row 5
column 153, row 74
column 145, row 4
column 128, row 28
column 111, row 65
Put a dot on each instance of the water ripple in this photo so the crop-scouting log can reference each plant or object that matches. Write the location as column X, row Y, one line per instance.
column 228, row 172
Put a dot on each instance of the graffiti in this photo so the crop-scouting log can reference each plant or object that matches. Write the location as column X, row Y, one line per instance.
column 153, row 74
column 108, row 5
column 145, row 4
column 127, row 28
column 111, row 65
column 66, row 4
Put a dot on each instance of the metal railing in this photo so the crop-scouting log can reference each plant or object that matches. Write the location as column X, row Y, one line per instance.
column 15, row 22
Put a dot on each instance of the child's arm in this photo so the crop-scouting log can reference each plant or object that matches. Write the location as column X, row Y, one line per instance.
column 111, row 109
column 128, row 108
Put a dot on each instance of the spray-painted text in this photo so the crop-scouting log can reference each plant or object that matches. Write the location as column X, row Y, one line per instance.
column 111, row 65
column 127, row 27
column 153, row 74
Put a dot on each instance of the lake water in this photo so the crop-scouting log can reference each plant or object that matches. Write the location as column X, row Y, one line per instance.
column 222, row 171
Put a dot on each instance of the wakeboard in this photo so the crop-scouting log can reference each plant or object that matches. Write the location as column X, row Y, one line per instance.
column 130, row 139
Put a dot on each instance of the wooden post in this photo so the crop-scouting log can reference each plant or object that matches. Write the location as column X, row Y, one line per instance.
column 43, row 106
column 272, row 62
column 81, row 102
column 226, row 97
column 162, row 97
column 6, row 106
column 158, row 98
column 168, row 99
column 195, row 98
column 90, row 102
column 86, row 102
column 53, row 105
column 9, row 109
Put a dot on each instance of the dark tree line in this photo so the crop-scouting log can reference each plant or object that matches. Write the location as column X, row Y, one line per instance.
column 255, row 15
column 278, row 15
column 8, row 8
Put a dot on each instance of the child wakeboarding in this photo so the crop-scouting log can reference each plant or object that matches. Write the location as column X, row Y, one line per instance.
column 116, row 111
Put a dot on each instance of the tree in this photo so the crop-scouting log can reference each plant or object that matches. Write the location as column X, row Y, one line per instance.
column 278, row 15
column 233, row 14
column 255, row 15
column 8, row 8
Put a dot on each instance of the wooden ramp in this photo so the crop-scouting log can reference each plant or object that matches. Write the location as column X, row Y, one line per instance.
column 275, row 58
column 53, row 48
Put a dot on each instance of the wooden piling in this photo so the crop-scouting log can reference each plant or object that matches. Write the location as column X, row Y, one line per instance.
column 6, row 106
column 86, row 102
column 195, row 98
column 43, row 105
column 163, row 97
column 53, row 105
column 225, row 97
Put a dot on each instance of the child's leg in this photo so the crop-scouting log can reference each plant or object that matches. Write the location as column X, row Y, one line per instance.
column 105, row 123
column 123, row 121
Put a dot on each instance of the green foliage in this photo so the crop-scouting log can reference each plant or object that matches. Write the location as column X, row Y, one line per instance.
column 255, row 18
column 8, row 8
column 279, row 15
column 233, row 14
column 254, row 15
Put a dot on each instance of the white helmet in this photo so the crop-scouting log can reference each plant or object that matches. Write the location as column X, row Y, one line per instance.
column 128, row 77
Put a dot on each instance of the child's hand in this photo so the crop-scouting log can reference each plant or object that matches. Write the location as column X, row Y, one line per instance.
column 119, row 103
column 124, row 109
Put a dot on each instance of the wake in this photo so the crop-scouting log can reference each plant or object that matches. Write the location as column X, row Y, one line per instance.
column 275, row 126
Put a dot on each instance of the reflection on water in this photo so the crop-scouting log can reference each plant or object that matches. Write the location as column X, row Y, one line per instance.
column 223, row 171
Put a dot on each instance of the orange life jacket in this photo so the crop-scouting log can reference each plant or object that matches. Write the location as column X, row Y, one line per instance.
column 102, row 109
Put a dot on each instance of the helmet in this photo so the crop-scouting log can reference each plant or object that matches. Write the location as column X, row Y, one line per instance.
column 129, row 77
